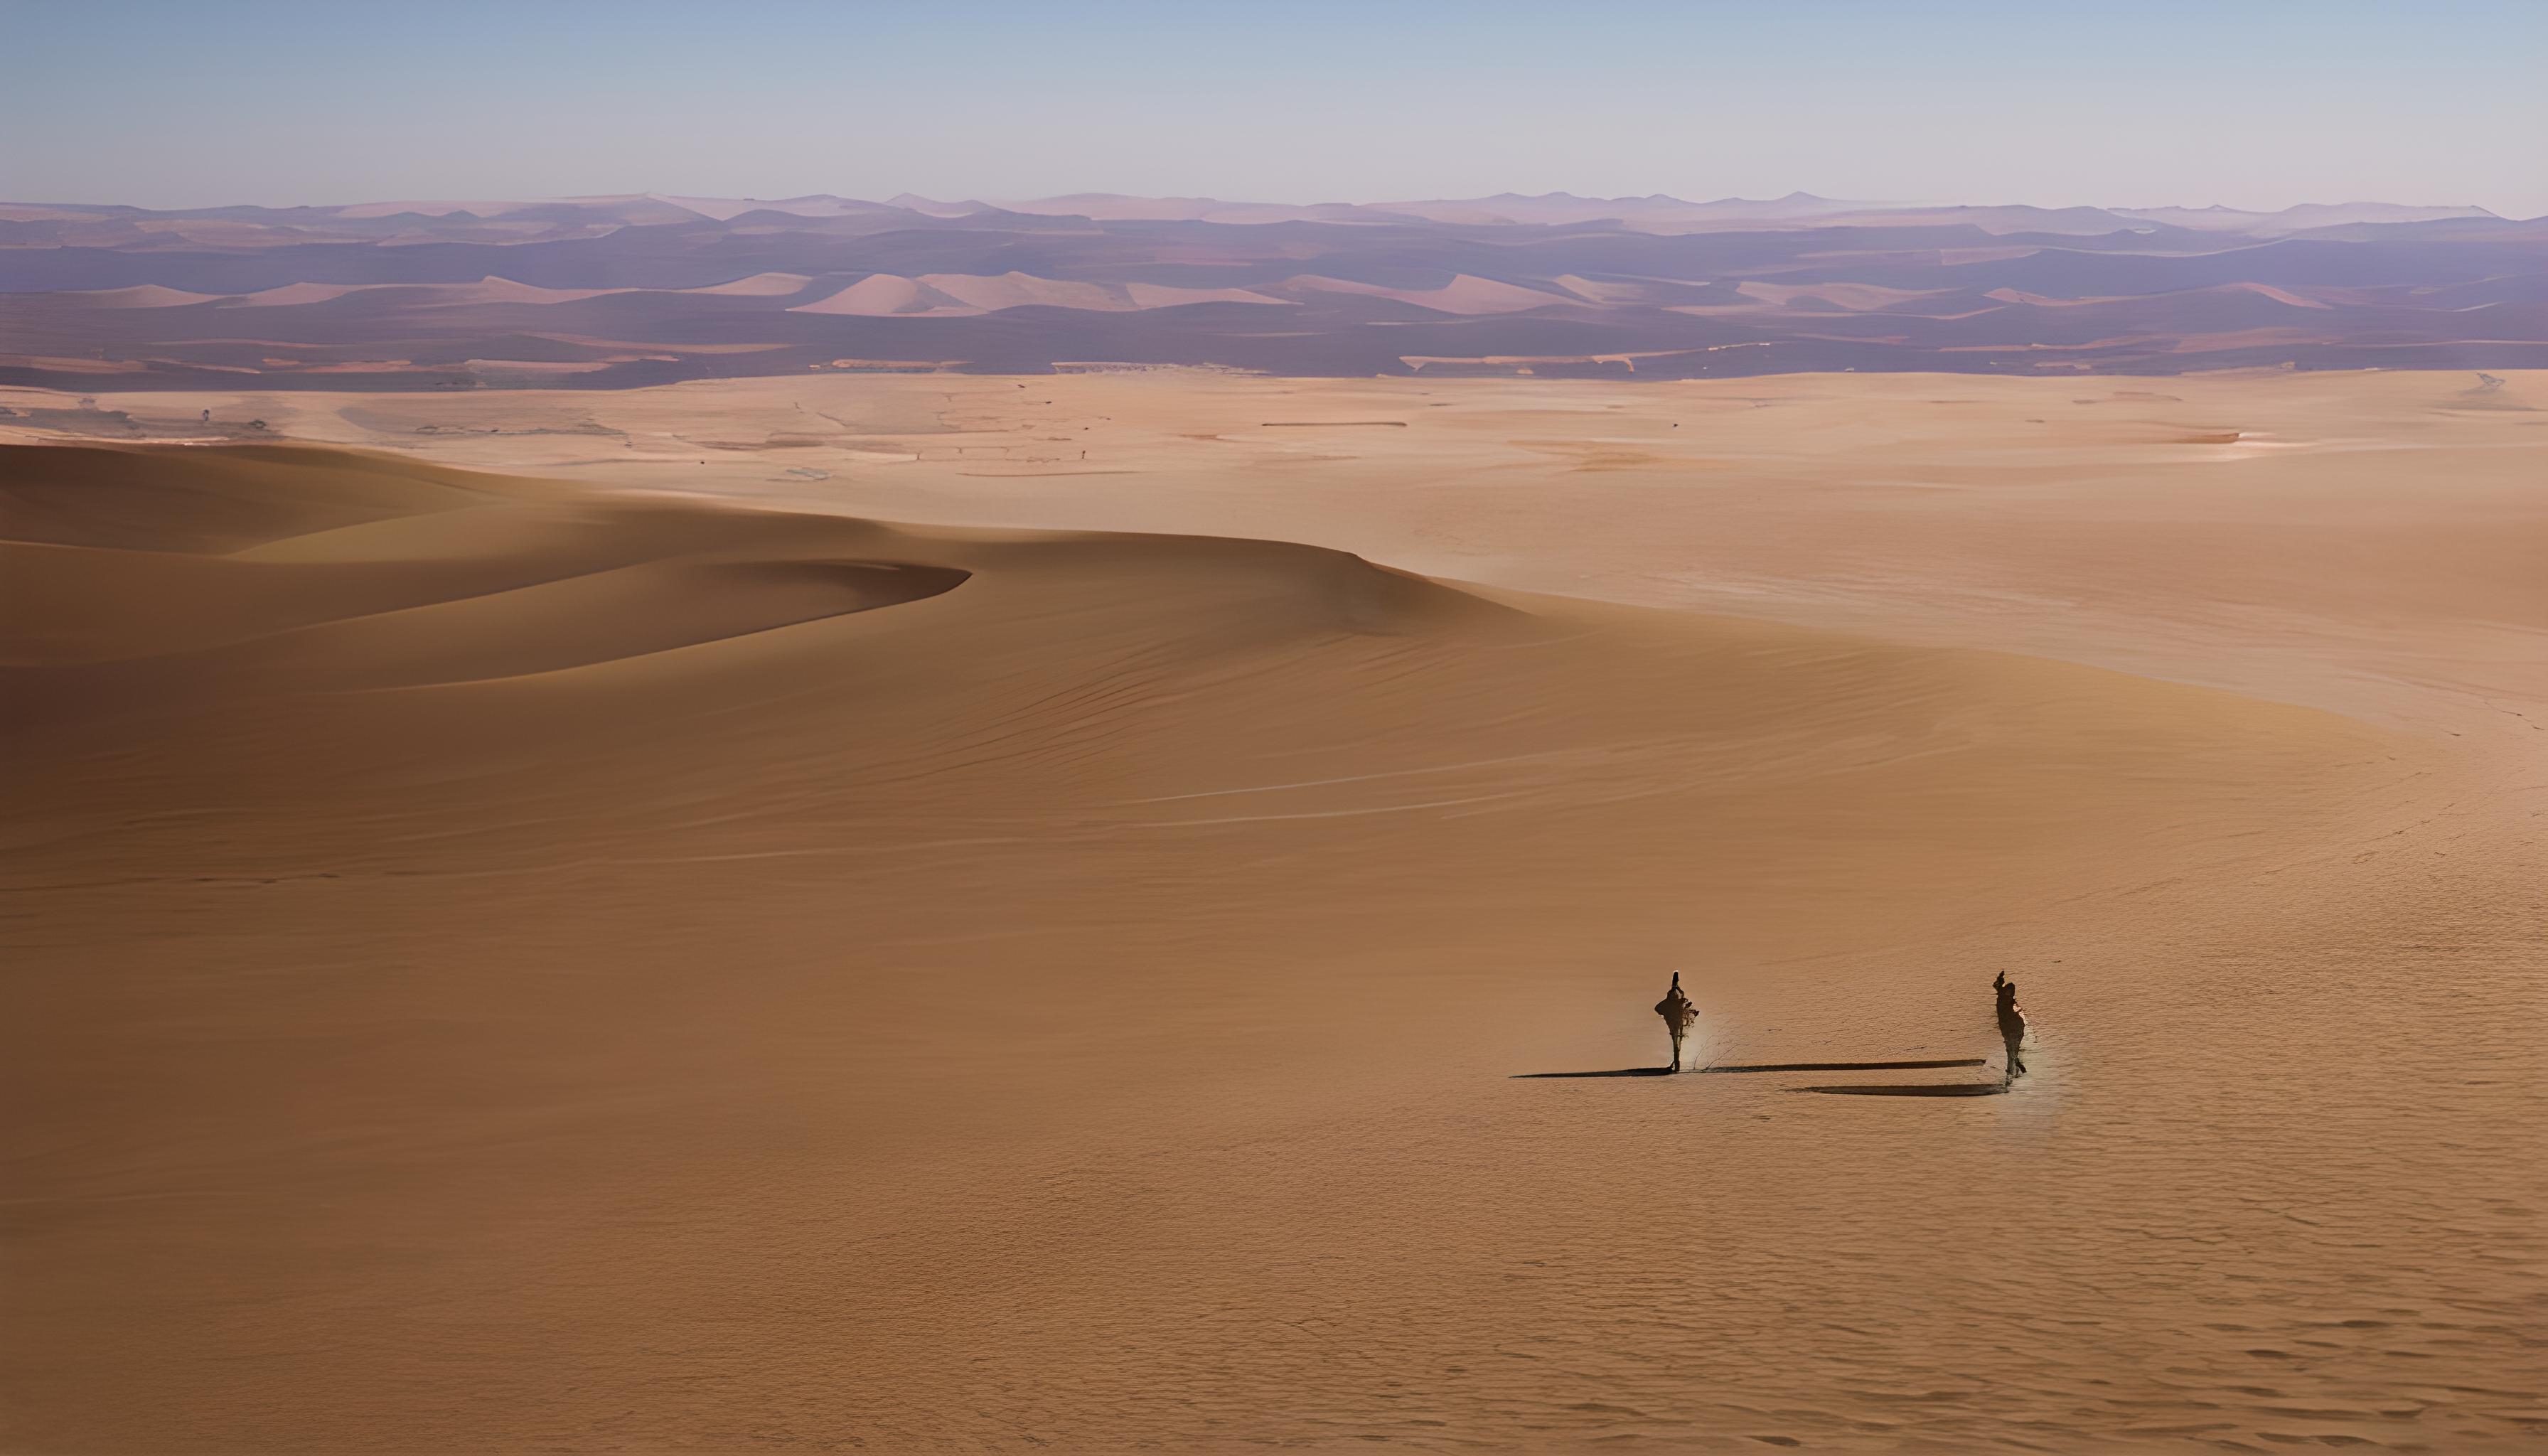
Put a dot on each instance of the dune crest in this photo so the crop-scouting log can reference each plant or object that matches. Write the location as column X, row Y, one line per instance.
column 1462, row 294
column 882, row 294
column 144, row 296
column 758, row 286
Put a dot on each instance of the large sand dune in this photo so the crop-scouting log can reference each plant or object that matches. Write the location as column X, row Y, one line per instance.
column 501, row 963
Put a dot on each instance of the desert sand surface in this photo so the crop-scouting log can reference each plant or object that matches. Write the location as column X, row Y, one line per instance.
column 934, row 912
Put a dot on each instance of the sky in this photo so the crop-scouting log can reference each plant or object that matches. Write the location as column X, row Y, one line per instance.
column 2245, row 103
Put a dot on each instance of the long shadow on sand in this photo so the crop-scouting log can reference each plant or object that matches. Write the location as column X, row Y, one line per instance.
column 1848, row 1066
column 1790, row 1066
column 1912, row 1089
column 1625, row 1071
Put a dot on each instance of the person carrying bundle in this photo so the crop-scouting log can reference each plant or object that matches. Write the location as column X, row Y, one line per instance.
column 1679, row 1017
column 2012, row 1023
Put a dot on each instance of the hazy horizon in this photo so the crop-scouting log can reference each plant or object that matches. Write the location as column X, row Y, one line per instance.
column 952, row 198
column 2257, row 109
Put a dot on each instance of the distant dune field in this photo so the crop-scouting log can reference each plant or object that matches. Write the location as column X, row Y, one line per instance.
column 624, row 292
column 540, row 919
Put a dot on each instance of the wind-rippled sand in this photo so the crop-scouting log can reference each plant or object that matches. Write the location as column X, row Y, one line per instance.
column 501, row 963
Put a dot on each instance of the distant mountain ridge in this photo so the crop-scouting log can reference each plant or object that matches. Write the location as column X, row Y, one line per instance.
column 1656, row 210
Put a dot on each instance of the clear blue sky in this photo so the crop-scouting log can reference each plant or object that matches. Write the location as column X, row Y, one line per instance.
column 2127, row 104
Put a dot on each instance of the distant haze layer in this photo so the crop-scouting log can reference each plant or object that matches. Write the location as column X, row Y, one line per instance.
column 626, row 291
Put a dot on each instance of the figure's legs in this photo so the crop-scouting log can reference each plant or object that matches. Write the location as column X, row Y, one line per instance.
column 1676, row 1041
column 2016, row 1063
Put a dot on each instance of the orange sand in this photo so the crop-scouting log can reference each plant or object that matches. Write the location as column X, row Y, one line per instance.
column 501, row 963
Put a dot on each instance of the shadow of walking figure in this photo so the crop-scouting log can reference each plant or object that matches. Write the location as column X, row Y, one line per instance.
column 2012, row 1025
column 1679, row 1017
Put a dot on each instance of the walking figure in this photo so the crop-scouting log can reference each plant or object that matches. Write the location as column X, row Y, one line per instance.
column 1679, row 1017
column 2012, row 1023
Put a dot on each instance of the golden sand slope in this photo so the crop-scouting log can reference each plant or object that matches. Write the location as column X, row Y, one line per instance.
column 499, row 966
column 2365, row 541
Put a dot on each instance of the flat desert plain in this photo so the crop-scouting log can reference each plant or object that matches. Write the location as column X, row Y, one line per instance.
column 917, row 912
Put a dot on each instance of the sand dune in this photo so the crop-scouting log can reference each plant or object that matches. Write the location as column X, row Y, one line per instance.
column 291, row 295
column 1462, row 294
column 495, row 290
column 951, row 295
column 2259, row 290
column 489, row 290
column 1599, row 291
column 1015, row 289
column 505, row 291
column 1855, row 297
column 881, row 294
column 758, row 286
column 1164, row 296
column 773, row 975
column 144, row 296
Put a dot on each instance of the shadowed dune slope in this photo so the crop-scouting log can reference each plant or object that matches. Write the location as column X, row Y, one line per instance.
column 499, row 965
column 209, row 502
column 169, row 574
